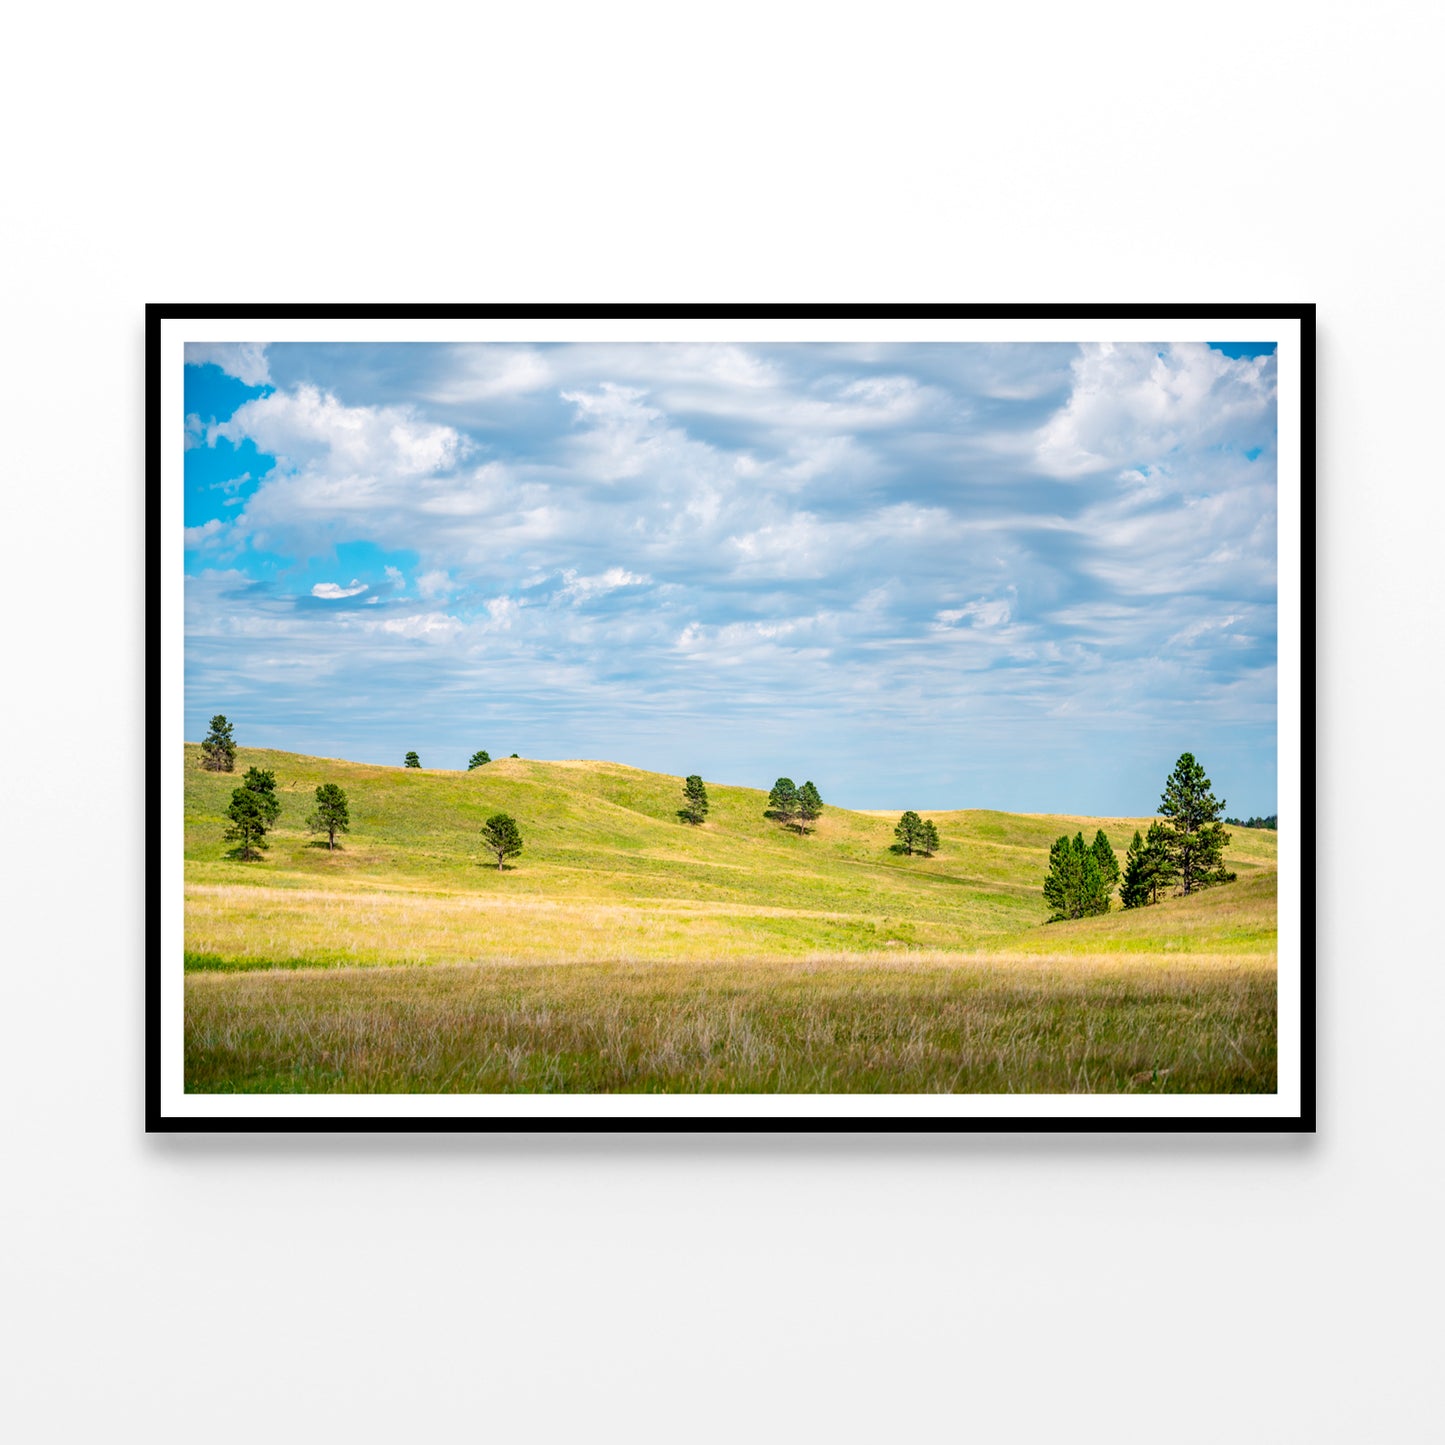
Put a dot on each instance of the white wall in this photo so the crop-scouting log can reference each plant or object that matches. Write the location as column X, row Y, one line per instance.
column 1032, row 1289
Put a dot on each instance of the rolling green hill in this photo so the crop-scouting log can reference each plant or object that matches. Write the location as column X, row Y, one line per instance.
column 610, row 872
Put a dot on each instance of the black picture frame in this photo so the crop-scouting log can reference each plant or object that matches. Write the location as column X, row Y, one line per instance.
column 159, row 1119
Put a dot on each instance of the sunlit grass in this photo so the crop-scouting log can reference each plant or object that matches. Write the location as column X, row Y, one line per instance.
column 927, row 1023
column 627, row 950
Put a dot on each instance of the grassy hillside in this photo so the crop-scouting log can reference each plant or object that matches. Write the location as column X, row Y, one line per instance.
column 610, row 872
column 628, row 950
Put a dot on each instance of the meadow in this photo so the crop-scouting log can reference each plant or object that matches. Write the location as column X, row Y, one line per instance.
column 628, row 950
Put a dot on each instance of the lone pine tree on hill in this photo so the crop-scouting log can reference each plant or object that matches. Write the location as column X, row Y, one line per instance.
column 479, row 759
column 500, row 835
column 218, row 747
column 252, row 811
column 694, row 799
column 1196, row 839
column 331, row 816
column 930, row 838
column 412, row 761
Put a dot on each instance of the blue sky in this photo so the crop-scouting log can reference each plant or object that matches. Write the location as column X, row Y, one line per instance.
column 932, row 576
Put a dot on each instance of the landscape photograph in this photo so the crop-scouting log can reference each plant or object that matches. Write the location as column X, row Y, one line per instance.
column 618, row 716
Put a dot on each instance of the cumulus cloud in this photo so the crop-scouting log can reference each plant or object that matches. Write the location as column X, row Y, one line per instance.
column 1132, row 403
column 334, row 590
column 309, row 427
column 245, row 360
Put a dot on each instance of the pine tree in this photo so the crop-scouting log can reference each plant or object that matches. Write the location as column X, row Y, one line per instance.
column 909, row 833
column 1159, row 870
column 1134, row 890
column 694, row 799
column 250, row 818
column 783, row 802
column 1075, row 886
column 1196, row 837
column 1061, row 887
column 262, row 782
column 479, row 759
column 331, row 816
column 500, row 835
column 930, row 837
column 412, row 761
column 810, row 806
column 1093, row 892
column 1108, row 863
column 1148, row 868
column 218, row 747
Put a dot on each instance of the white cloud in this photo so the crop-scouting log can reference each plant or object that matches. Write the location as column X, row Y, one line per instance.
column 986, row 612
column 1136, row 403
column 245, row 360
column 434, row 584
column 424, row 626
column 311, row 428
column 207, row 534
column 480, row 373
column 333, row 590
column 580, row 589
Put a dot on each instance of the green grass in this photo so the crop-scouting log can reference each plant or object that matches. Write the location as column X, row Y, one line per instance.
column 627, row 950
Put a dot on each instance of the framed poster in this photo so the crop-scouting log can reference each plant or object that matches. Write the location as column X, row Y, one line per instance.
column 719, row 717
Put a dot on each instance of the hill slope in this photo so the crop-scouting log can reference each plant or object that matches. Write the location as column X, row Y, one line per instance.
column 610, row 871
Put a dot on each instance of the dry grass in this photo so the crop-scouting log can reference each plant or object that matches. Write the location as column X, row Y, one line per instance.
column 915, row 1024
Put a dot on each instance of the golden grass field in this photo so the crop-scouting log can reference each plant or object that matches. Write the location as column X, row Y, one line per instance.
column 627, row 950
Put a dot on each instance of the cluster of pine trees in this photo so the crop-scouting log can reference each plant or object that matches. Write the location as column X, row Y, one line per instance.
column 915, row 835
column 792, row 806
column 1185, row 852
column 1081, row 877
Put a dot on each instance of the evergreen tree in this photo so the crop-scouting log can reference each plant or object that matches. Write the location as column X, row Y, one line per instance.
column 1148, row 870
column 930, row 837
column 1075, row 886
column 1196, row 837
column 1108, row 863
column 909, row 833
column 412, row 761
column 1160, row 872
column 218, row 747
column 694, row 799
column 1134, row 890
column 783, row 802
column 1093, row 892
column 262, row 782
column 500, row 835
column 331, row 816
column 810, row 806
column 1061, row 887
column 250, row 817
column 479, row 759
